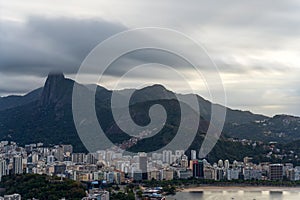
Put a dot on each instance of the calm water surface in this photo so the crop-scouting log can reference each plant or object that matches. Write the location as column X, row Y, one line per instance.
column 237, row 195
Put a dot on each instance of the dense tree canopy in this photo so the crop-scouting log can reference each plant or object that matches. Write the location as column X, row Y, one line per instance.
column 42, row 187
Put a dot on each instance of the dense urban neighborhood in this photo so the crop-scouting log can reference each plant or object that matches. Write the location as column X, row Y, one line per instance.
column 108, row 173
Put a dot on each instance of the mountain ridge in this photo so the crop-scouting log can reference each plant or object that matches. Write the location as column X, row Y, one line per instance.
column 47, row 117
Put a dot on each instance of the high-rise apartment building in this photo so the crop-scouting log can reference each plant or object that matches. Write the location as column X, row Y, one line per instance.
column 276, row 172
column 17, row 165
column 3, row 168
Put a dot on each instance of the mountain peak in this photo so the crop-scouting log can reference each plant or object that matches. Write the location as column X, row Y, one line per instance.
column 55, row 76
column 54, row 83
column 150, row 93
column 155, row 86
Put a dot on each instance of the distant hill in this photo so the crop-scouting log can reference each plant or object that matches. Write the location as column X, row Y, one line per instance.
column 280, row 128
column 45, row 115
column 14, row 101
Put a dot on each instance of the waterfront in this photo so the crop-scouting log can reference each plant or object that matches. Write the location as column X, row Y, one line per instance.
column 230, row 195
column 249, row 193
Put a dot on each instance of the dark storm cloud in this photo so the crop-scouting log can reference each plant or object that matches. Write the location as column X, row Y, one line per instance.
column 145, row 56
column 42, row 44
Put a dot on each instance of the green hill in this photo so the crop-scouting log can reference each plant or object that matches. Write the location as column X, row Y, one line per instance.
column 42, row 187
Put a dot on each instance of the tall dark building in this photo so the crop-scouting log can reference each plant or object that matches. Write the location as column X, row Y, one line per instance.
column 143, row 165
column 78, row 157
column 17, row 165
column 198, row 169
column 276, row 172
column 60, row 169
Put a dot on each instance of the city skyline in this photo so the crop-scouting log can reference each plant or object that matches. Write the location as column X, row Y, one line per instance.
column 60, row 160
column 107, row 172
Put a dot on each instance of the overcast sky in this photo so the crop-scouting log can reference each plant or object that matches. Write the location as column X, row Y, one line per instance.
column 255, row 44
